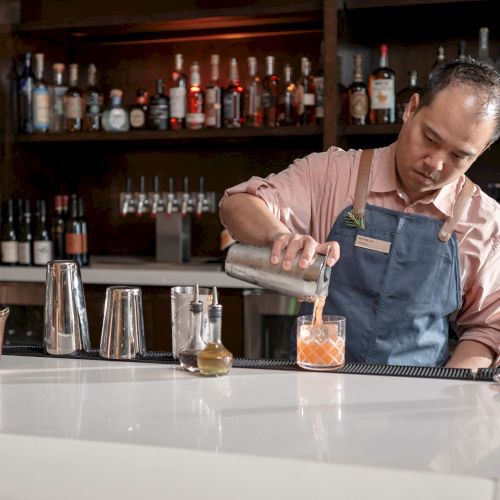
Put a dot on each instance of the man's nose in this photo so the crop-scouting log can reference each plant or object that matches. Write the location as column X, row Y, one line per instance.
column 434, row 161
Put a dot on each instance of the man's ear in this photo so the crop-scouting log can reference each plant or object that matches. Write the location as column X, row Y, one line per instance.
column 412, row 106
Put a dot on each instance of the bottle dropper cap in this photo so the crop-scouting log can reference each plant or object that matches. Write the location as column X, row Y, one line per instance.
column 196, row 304
column 215, row 310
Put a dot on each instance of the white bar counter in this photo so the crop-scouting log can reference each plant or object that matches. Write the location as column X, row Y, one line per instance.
column 85, row 429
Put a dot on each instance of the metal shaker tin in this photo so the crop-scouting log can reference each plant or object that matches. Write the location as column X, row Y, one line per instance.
column 253, row 265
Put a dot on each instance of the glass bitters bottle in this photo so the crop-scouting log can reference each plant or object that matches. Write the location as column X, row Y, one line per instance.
column 188, row 355
column 215, row 359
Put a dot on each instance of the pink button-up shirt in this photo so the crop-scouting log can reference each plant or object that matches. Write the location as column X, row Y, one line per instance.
column 310, row 194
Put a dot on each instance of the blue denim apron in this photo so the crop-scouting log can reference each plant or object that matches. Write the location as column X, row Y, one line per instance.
column 397, row 304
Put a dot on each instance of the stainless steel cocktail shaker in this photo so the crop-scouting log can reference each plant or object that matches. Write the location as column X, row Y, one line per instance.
column 253, row 264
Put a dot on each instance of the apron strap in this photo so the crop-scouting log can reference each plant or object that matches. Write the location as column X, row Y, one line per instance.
column 449, row 224
column 365, row 163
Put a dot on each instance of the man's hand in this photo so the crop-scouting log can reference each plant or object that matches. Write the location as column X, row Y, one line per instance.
column 471, row 354
column 295, row 243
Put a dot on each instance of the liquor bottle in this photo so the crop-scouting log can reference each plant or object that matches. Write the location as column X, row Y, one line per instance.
column 341, row 96
column 195, row 118
column 26, row 84
column 58, row 226
column 73, row 240
column 26, row 237
column 41, row 99
column 178, row 95
column 93, row 102
column 84, row 232
column 483, row 53
column 158, row 109
column 73, row 102
column 57, row 91
column 213, row 96
column 43, row 247
column 306, row 98
column 10, row 245
column 287, row 104
column 319, row 83
column 404, row 95
column 115, row 116
column 214, row 360
column 233, row 98
column 270, row 84
column 357, row 95
column 440, row 61
column 138, row 112
column 382, row 91
column 462, row 50
column 253, row 96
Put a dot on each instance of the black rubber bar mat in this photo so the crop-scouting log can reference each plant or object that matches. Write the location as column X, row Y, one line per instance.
column 483, row 375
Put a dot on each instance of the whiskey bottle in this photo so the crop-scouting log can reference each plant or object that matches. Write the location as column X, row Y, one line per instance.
column 9, row 244
column 138, row 112
column 58, row 226
column 73, row 102
column 115, row 117
column 178, row 94
column 57, row 91
column 93, row 102
column 73, row 240
column 26, row 84
column 357, row 95
column 233, row 98
column 382, row 91
column 158, row 109
column 440, row 61
column 26, row 237
column 41, row 99
column 319, row 83
column 483, row 53
column 287, row 104
column 195, row 118
column 270, row 84
column 306, row 98
column 43, row 247
column 213, row 96
column 404, row 95
column 253, row 96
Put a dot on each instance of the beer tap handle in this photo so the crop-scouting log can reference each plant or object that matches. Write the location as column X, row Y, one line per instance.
column 170, row 197
column 127, row 198
column 200, row 199
column 142, row 197
column 156, row 197
column 185, row 198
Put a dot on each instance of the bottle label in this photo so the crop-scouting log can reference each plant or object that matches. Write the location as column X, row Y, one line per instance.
column 58, row 100
column 177, row 102
column 74, row 243
column 43, row 252
column 158, row 116
column 41, row 110
column 92, row 106
column 231, row 108
column 195, row 118
column 137, row 118
column 25, row 253
column 73, row 107
column 309, row 99
column 266, row 99
column 358, row 105
column 117, row 118
column 10, row 252
column 210, row 96
column 319, row 82
column 382, row 94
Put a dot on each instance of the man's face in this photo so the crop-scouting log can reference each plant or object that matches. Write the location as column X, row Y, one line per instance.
column 441, row 141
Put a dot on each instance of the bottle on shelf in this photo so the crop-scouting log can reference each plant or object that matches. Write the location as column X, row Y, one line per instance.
column 195, row 117
column 306, row 95
column 214, row 360
column 253, row 95
column 188, row 355
column 115, row 117
column 93, row 102
column 73, row 102
column 26, row 84
column 43, row 247
column 483, row 53
column 57, row 91
column 178, row 95
column 439, row 61
column 26, row 237
column 84, row 232
column 382, row 91
column 319, row 84
column 213, row 95
column 287, row 104
column 462, row 50
column 59, row 225
column 41, row 98
column 342, row 96
column 158, row 109
column 233, row 98
column 10, row 244
column 73, row 240
column 404, row 95
column 138, row 112
column 357, row 95
column 270, row 89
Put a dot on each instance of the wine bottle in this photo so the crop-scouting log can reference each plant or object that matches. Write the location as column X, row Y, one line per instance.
column 357, row 95
column 58, row 227
column 73, row 241
column 178, row 95
column 213, row 96
column 41, row 100
column 26, row 83
column 195, row 118
column 233, row 98
column 84, row 232
column 43, row 247
column 26, row 237
column 73, row 102
column 270, row 84
column 9, row 244
column 93, row 102
column 253, row 96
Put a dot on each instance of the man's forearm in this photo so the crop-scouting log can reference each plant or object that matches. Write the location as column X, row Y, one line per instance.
column 249, row 220
column 471, row 354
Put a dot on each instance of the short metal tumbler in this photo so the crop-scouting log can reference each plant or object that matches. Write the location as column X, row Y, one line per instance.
column 4, row 314
column 66, row 327
column 122, row 335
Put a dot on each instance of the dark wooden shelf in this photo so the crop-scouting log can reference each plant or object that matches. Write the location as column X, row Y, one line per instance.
column 354, row 130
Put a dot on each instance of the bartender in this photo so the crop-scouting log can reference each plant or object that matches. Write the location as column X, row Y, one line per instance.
column 415, row 244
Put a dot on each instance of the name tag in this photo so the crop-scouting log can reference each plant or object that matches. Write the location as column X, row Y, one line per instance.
column 372, row 244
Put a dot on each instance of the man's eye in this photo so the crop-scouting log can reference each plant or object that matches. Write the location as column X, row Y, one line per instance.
column 430, row 139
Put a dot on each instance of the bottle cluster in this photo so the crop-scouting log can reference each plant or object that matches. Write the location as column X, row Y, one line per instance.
column 377, row 102
column 260, row 100
column 35, row 241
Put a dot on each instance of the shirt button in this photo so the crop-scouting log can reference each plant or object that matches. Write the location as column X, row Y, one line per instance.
column 409, row 210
